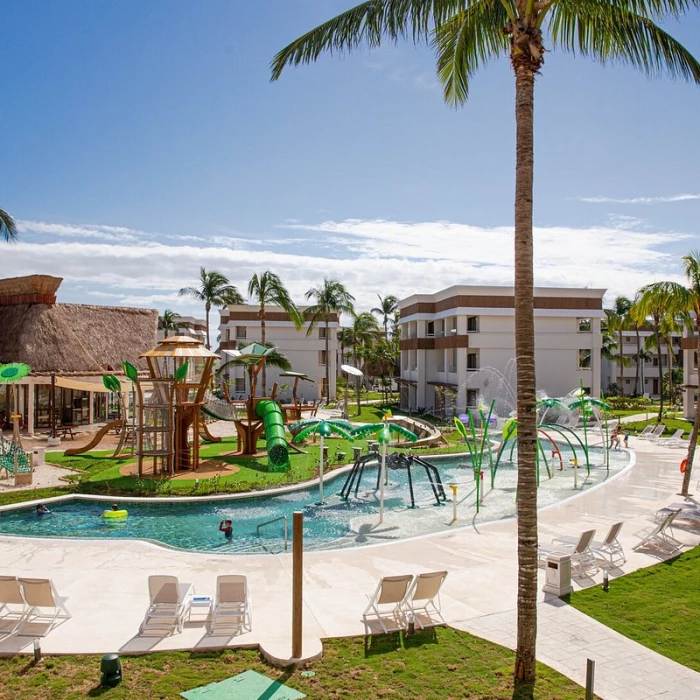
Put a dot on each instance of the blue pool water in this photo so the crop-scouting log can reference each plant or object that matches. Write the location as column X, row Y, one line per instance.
column 194, row 525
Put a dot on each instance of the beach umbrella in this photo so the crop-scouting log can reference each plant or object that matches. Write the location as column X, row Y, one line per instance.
column 9, row 374
column 324, row 428
column 383, row 431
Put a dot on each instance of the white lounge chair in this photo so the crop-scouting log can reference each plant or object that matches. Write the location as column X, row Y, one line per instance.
column 231, row 611
column 13, row 607
column 168, row 604
column 648, row 430
column 389, row 600
column 423, row 599
column 668, row 441
column 661, row 535
column 609, row 548
column 580, row 550
column 43, row 602
column 655, row 433
column 679, row 442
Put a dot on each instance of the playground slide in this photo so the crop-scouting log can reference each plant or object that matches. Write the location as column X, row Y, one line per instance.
column 277, row 452
column 96, row 440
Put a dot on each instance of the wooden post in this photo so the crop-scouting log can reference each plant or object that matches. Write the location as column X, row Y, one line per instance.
column 297, row 582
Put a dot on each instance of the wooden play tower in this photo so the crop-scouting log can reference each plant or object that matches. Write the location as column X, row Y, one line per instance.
column 168, row 404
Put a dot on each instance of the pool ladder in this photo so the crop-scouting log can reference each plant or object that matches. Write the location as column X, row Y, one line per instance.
column 276, row 520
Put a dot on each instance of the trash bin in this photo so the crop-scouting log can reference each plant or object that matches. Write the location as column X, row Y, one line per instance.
column 558, row 574
column 38, row 456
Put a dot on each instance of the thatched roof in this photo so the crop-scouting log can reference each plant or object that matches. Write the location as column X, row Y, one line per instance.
column 75, row 338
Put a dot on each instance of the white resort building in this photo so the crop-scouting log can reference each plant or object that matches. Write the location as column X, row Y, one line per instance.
column 190, row 326
column 449, row 336
column 240, row 325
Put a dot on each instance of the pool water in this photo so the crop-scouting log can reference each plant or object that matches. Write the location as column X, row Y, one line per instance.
column 195, row 525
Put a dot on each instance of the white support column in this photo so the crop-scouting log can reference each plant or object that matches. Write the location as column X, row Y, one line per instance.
column 91, row 409
column 30, row 409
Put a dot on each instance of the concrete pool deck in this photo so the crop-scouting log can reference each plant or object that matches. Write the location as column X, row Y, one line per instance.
column 105, row 583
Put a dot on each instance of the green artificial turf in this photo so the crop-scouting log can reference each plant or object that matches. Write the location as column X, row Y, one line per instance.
column 658, row 607
column 439, row 664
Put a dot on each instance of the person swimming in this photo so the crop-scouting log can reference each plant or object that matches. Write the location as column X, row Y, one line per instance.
column 226, row 526
column 41, row 509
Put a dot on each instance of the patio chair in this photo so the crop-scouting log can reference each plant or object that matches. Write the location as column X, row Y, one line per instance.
column 231, row 610
column 13, row 607
column 423, row 599
column 609, row 548
column 667, row 441
column 679, row 442
column 648, row 430
column 655, row 433
column 389, row 600
column 580, row 550
column 661, row 535
column 43, row 602
column 168, row 604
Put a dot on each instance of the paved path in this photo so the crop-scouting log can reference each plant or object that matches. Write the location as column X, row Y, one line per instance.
column 105, row 582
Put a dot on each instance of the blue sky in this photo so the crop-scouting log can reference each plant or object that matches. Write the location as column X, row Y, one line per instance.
column 143, row 140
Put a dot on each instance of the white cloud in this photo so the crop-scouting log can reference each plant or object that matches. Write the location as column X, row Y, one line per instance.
column 369, row 256
column 640, row 200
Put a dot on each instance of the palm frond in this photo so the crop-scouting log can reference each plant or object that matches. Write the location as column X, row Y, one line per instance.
column 611, row 32
column 369, row 429
column 8, row 227
column 367, row 24
column 466, row 42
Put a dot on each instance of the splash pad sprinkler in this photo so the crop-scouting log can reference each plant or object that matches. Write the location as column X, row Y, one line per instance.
column 383, row 431
column 324, row 428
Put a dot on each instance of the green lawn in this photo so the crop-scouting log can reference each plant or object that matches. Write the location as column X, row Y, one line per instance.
column 432, row 665
column 658, row 607
column 672, row 424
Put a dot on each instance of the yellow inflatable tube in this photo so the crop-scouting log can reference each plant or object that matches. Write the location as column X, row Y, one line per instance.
column 115, row 514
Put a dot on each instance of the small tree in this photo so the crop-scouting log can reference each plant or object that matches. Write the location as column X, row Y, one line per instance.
column 169, row 322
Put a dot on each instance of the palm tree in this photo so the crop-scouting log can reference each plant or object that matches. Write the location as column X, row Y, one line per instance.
column 388, row 306
column 169, row 322
column 214, row 290
column 8, row 227
column 466, row 34
column 273, row 359
column 363, row 332
column 330, row 297
column 685, row 301
column 653, row 301
column 618, row 320
column 267, row 288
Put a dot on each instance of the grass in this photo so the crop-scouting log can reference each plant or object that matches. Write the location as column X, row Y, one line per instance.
column 658, row 607
column 434, row 664
column 672, row 424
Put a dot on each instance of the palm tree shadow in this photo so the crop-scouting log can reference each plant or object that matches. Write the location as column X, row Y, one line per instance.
column 371, row 531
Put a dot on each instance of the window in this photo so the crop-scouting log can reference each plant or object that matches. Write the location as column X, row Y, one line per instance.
column 322, row 357
column 628, row 382
column 584, row 359
column 472, row 398
column 404, row 358
column 430, row 329
column 322, row 332
column 472, row 361
column 414, row 360
column 472, row 324
column 241, row 332
column 584, row 325
column 324, row 386
column 239, row 385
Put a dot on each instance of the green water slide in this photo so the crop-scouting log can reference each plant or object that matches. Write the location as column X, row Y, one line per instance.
column 277, row 453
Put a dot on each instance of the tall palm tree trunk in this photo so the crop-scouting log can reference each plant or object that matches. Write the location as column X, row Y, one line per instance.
column 669, row 352
column 328, row 365
column 661, row 369
column 696, row 425
column 262, row 340
column 636, row 374
column 621, row 360
column 525, row 357
column 207, row 308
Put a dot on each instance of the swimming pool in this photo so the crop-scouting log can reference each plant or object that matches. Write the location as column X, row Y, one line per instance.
column 194, row 525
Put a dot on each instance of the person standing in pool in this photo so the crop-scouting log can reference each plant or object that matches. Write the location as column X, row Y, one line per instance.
column 41, row 509
column 226, row 526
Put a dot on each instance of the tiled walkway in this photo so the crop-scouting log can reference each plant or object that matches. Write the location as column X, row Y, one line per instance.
column 106, row 586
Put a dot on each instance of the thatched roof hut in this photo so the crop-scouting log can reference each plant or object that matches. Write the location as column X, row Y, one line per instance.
column 69, row 339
